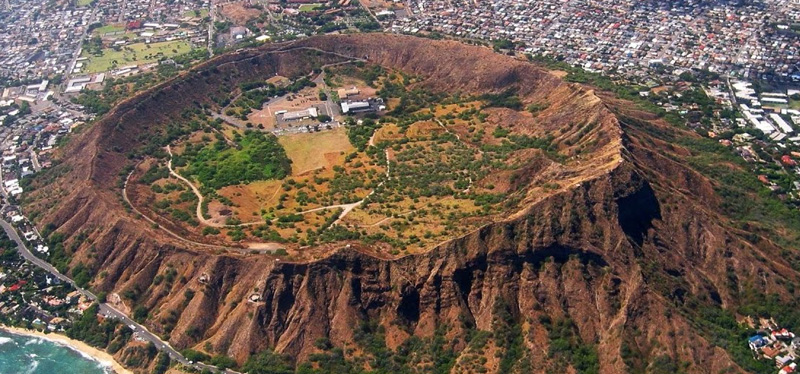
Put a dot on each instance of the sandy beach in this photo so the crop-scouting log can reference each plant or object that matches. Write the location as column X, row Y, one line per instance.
column 80, row 346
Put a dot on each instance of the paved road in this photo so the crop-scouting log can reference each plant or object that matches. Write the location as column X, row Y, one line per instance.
column 75, row 55
column 105, row 308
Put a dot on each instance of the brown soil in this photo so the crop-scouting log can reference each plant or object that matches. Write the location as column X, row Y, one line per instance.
column 238, row 12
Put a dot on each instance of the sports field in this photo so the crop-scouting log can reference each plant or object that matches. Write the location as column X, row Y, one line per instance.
column 105, row 29
column 134, row 54
column 309, row 7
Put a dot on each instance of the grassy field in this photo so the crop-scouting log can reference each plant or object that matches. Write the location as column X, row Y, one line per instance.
column 315, row 150
column 308, row 7
column 196, row 13
column 134, row 54
column 794, row 104
column 108, row 28
column 84, row 2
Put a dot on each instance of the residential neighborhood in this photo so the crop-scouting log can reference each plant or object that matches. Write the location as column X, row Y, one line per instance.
column 629, row 37
column 776, row 344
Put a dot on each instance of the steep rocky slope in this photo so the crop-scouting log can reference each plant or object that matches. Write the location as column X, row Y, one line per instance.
column 626, row 248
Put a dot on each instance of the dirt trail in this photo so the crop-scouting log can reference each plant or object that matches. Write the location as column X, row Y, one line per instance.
column 346, row 208
column 168, row 231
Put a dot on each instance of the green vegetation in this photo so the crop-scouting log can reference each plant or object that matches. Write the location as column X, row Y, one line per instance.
column 359, row 135
column 369, row 73
column 508, row 336
column 506, row 99
column 100, row 101
column 566, row 347
column 744, row 198
column 82, row 275
column 366, row 26
column 133, row 54
column 267, row 362
column 105, row 29
column 434, row 354
column 255, row 157
column 224, row 362
column 309, row 7
column 502, row 44
column 100, row 335
column 162, row 364
column 195, row 356
column 256, row 93
column 758, row 213
column 197, row 13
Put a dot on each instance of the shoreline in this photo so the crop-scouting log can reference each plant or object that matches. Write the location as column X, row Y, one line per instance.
column 93, row 353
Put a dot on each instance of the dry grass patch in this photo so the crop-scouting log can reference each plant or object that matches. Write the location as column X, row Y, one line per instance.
column 311, row 151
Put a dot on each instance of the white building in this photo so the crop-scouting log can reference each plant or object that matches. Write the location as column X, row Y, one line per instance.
column 785, row 127
column 301, row 114
column 353, row 106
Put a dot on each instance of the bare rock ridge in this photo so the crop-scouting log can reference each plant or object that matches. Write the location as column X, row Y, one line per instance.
column 630, row 233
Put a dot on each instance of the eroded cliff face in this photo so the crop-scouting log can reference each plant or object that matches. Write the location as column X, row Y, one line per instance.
column 629, row 237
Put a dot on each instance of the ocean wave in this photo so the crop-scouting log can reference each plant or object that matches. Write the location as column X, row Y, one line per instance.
column 83, row 354
column 32, row 368
column 34, row 341
column 4, row 340
column 106, row 367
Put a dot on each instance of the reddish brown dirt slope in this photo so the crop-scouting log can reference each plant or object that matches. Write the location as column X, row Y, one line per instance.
column 630, row 233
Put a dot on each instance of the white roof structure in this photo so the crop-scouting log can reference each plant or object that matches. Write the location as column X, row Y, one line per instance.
column 354, row 105
column 300, row 114
column 781, row 123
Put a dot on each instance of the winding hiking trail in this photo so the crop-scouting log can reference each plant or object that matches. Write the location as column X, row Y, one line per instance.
column 346, row 208
column 271, row 247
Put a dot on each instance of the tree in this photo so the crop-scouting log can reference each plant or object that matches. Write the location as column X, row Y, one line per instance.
column 268, row 362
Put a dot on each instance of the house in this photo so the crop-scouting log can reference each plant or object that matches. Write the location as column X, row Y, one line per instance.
column 791, row 368
column 782, row 361
column 756, row 341
column 346, row 92
column 743, row 138
column 787, row 161
column 782, row 334
column 770, row 352
column 17, row 286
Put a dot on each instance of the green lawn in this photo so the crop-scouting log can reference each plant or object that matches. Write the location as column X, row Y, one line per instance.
column 134, row 54
column 309, row 7
column 84, row 2
column 196, row 13
column 105, row 29
column 794, row 104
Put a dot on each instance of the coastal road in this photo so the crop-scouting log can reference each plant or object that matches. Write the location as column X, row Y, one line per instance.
column 105, row 308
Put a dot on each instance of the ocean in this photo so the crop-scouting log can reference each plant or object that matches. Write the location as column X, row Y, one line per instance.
column 30, row 355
